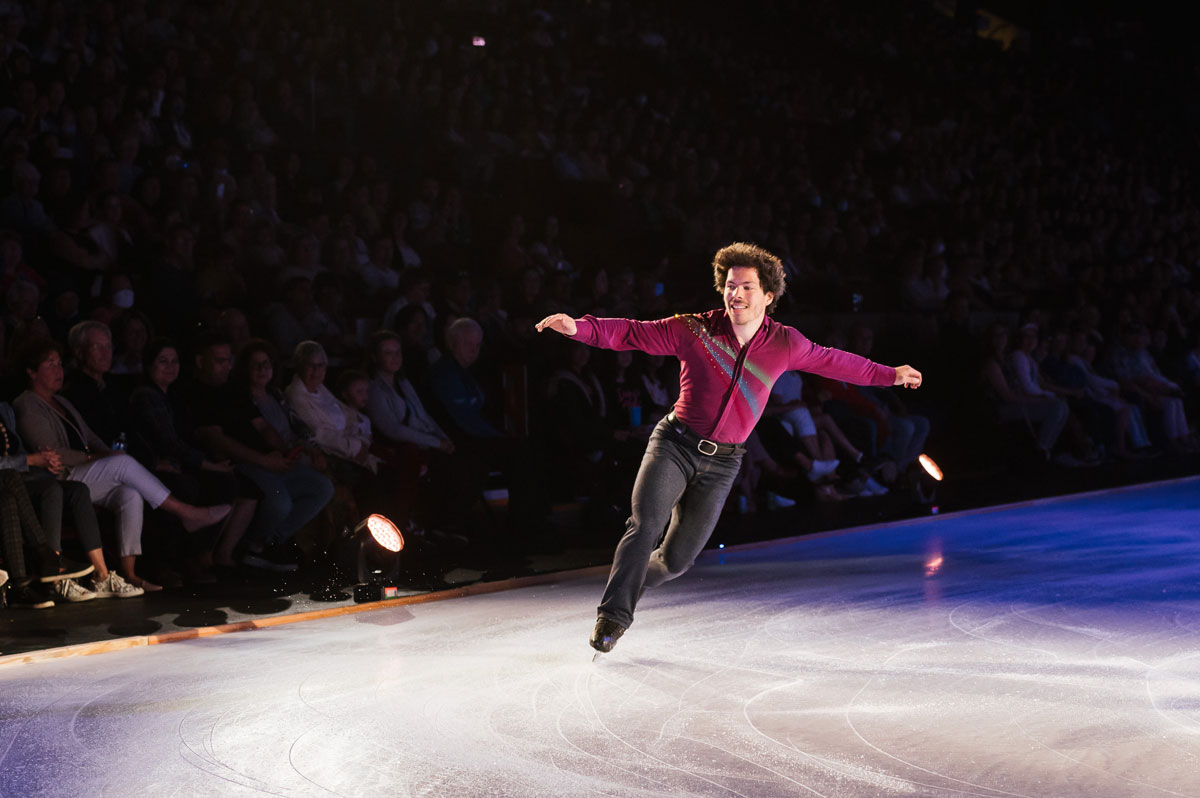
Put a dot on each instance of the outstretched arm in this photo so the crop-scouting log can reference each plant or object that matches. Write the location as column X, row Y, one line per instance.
column 652, row 337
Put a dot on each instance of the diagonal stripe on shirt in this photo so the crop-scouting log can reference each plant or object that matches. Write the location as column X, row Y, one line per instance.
column 715, row 348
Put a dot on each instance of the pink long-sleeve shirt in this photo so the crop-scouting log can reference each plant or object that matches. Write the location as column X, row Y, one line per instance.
column 714, row 365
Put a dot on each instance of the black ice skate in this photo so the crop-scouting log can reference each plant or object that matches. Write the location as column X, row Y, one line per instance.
column 606, row 634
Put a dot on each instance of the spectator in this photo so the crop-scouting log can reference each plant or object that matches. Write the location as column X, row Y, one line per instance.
column 1129, row 430
column 50, row 494
column 231, row 425
column 399, row 416
column 1048, row 413
column 394, row 406
column 409, row 257
column 412, row 325
column 234, row 327
column 1134, row 367
column 172, row 283
column 30, row 478
column 1191, row 373
column 116, row 481
column 19, row 524
column 160, row 432
column 335, row 429
column 100, row 401
column 379, row 273
column 21, row 211
column 391, row 487
column 13, row 266
column 460, row 399
column 415, row 289
column 131, row 331
column 288, row 320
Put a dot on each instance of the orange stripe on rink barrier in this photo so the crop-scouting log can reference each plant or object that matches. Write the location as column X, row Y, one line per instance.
column 122, row 643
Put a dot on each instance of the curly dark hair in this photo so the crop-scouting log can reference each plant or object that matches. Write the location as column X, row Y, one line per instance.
column 769, row 268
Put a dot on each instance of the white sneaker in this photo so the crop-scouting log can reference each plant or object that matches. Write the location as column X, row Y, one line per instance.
column 72, row 591
column 823, row 468
column 875, row 488
column 113, row 586
column 777, row 502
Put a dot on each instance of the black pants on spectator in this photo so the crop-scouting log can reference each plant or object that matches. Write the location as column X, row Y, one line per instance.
column 52, row 497
column 16, row 514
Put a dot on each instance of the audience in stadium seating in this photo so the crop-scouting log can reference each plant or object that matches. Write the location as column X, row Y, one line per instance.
column 165, row 174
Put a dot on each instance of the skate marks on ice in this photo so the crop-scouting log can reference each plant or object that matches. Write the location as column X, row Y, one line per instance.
column 1051, row 651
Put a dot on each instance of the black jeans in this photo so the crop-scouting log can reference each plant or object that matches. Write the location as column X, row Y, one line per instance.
column 679, row 490
column 52, row 497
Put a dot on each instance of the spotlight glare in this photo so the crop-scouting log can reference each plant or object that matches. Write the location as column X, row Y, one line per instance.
column 385, row 532
column 931, row 468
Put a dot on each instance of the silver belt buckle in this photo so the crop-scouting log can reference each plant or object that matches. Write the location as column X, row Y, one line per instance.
column 700, row 447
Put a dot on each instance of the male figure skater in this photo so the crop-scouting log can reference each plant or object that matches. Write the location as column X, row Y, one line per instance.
column 729, row 358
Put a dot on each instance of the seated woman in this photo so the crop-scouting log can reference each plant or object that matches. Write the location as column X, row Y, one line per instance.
column 51, row 497
column 399, row 417
column 334, row 427
column 115, row 480
column 1045, row 415
column 159, row 429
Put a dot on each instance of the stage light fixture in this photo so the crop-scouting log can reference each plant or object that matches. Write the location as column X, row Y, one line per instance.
column 368, row 556
column 925, row 482
column 378, row 543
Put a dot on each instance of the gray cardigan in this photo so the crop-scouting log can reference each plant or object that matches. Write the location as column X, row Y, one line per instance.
column 42, row 428
column 400, row 416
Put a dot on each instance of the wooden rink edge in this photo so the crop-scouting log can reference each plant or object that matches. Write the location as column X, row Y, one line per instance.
column 140, row 641
column 483, row 588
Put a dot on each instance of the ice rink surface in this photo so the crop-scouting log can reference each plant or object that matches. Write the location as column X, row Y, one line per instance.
column 1048, row 650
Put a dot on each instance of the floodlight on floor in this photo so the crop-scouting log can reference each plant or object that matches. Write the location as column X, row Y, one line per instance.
column 369, row 555
column 378, row 543
column 925, row 481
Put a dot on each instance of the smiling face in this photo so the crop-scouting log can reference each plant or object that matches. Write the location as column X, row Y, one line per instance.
column 745, row 301
column 262, row 371
column 165, row 368
column 312, row 372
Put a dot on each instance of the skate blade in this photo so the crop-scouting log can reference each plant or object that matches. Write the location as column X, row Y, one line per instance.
column 597, row 656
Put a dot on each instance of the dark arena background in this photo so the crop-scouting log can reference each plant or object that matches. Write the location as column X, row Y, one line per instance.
column 271, row 393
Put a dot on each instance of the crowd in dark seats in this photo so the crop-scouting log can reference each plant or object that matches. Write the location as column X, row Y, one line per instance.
column 290, row 257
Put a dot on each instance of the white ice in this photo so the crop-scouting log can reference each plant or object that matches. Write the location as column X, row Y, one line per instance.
column 1051, row 650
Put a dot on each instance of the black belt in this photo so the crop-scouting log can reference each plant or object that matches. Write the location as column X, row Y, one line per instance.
column 703, row 445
